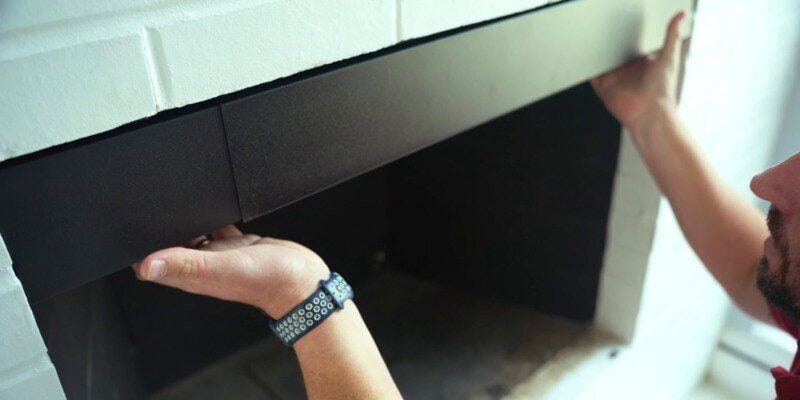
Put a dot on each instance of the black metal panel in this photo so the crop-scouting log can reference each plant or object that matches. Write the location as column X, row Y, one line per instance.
column 297, row 139
column 73, row 216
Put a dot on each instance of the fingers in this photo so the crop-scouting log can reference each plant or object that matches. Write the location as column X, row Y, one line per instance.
column 230, row 243
column 196, row 242
column 225, row 232
column 625, row 72
column 671, row 51
column 228, row 231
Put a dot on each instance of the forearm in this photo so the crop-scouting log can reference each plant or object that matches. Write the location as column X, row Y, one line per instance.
column 340, row 360
column 725, row 231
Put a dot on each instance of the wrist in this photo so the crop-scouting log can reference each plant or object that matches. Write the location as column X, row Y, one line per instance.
column 339, row 326
column 652, row 122
column 279, row 301
column 654, row 112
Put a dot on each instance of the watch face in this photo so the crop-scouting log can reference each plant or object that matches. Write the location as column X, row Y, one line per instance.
column 338, row 289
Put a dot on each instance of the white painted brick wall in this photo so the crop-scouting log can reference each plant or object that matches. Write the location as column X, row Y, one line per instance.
column 419, row 18
column 47, row 98
column 17, row 15
column 25, row 369
column 255, row 45
column 632, row 219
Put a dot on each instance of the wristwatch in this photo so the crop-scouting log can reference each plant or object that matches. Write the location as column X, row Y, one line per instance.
column 331, row 296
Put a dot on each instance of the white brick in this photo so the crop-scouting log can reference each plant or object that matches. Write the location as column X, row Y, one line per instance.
column 23, row 14
column 37, row 381
column 620, row 292
column 20, row 340
column 629, row 161
column 424, row 17
column 634, row 206
column 618, row 322
column 625, row 264
column 62, row 95
column 247, row 47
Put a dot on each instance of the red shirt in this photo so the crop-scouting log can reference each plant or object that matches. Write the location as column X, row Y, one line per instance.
column 787, row 383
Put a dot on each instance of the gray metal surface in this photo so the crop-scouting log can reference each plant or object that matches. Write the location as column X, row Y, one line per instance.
column 294, row 140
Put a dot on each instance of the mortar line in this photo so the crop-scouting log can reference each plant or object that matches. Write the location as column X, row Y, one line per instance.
column 154, row 61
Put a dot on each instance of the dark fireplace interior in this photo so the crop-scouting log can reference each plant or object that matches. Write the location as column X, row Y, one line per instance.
column 474, row 261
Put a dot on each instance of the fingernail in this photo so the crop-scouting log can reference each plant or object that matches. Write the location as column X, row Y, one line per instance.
column 157, row 269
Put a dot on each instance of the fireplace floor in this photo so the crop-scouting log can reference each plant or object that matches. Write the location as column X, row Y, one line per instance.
column 438, row 343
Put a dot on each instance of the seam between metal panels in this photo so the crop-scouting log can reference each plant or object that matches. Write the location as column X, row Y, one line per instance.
column 230, row 162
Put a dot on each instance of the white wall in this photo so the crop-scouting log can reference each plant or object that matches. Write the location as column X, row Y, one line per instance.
column 739, row 75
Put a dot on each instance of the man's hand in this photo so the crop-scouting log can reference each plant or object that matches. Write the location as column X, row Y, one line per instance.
column 271, row 274
column 632, row 91
column 339, row 358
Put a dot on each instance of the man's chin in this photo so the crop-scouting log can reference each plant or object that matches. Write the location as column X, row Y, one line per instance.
column 774, row 287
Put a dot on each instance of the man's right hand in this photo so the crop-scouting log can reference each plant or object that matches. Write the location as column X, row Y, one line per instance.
column 645, row 85
column 339, row 358
column 272, row 274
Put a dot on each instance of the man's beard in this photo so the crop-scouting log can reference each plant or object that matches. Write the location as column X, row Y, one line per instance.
column 772, row 279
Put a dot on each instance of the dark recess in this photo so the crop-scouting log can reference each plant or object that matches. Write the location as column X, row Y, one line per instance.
column 516, row 208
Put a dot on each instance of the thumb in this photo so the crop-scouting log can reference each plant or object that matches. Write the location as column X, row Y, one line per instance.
column 671, row 51
column 173, row 265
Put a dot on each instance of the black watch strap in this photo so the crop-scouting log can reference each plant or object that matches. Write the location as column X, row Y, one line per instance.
column 331, row 295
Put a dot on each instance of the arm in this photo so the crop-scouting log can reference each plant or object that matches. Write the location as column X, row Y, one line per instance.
column 339, row 359
column 725, row 231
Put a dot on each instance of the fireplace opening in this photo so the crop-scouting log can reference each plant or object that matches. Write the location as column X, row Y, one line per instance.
column 474, row 262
